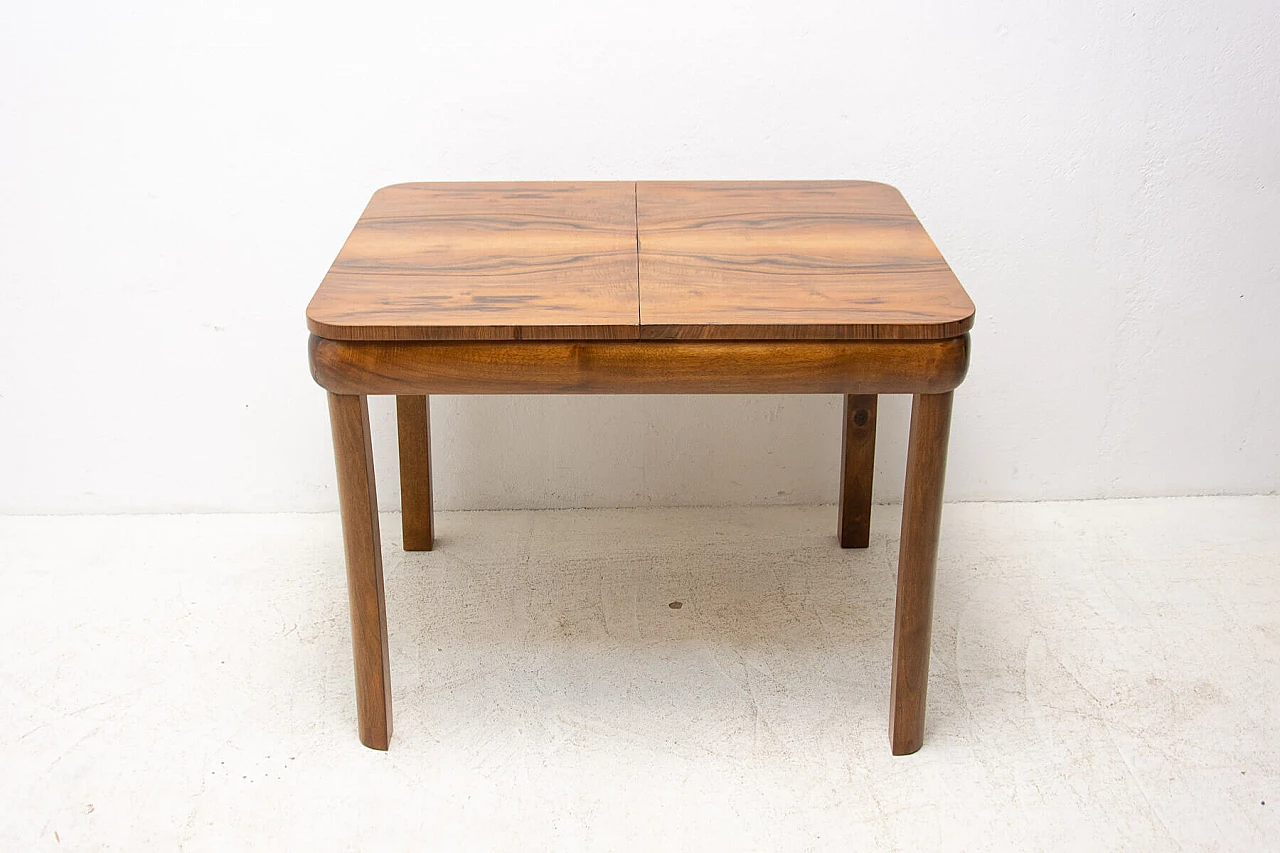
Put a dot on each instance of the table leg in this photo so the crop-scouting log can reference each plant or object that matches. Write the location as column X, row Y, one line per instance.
column 917, row 559
column 857, row 469
column 357, row 495
column 413, row 417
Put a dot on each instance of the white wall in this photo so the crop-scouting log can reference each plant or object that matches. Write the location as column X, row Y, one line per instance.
column 175, row 179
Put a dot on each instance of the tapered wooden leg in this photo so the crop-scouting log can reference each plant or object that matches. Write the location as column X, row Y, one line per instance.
column 857, row 469
column 413, row 416
column 917, row 558
column 357, row 495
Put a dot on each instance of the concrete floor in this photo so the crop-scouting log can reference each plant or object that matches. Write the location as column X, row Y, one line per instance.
column 1106, row 676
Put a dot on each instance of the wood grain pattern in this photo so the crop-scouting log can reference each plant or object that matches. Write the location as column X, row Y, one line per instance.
column 784, row 260
column 917, row 562
column 857, row 469
column 358, row 499
column 413, row 428
column 641, row 367
column 477, row 261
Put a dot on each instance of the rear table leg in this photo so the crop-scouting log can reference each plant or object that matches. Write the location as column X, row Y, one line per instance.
column 857, row 469
column 413, row 417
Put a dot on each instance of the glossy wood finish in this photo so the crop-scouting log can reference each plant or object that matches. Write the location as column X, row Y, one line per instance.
column 917, row 559
column 857, row 469
column 476, row 261
column 357, row 496
column 664, row 288
column 413, row 421
column 812, row 260
column 786, row 260
column 641, row 367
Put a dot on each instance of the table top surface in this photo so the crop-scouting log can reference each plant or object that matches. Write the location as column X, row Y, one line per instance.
column 757, row 260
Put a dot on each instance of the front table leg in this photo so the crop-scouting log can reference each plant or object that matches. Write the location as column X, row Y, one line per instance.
column 917, row 559
column 358, row 498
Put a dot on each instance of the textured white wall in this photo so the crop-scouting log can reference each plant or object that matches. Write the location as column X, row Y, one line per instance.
column 175, row 178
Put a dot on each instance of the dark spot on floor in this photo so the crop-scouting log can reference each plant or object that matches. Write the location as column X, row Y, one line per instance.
column 676, row 605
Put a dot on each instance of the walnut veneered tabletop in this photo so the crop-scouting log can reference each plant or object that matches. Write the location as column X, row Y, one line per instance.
column 762, row 260
column 791, row 259
column 486, row 261
column 785, row 287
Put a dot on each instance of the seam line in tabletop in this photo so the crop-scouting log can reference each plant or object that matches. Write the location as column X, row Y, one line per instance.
column 635, row 200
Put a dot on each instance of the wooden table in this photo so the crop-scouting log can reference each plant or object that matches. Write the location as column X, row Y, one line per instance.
column 822, row 287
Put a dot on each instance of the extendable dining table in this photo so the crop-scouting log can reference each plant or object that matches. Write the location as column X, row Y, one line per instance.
column 787, row 287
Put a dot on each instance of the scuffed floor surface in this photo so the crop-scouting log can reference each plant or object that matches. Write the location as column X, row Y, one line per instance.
column 1106, row 676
